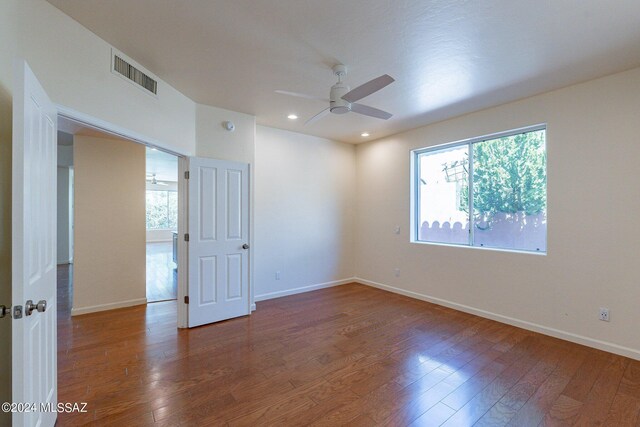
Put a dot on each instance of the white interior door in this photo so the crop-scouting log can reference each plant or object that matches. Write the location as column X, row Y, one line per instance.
column 218, row 245
column 34, row 370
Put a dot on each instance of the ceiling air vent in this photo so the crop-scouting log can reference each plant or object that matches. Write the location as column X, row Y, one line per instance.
column 125, row 69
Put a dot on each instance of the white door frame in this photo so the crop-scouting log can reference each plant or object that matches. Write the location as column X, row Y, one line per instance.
column 109, row 128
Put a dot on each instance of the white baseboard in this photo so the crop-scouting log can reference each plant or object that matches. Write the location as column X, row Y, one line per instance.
column 567, row 336
column 302, row 289
column 110, row 306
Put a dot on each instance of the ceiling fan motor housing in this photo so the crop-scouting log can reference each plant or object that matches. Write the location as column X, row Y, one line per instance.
column 337, row 105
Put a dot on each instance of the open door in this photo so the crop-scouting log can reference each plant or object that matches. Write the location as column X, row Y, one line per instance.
column 218, row 244
column 34, row 370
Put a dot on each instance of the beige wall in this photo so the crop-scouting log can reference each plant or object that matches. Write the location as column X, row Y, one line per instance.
column 109, row 214
column 593, row 233
column 304, row 212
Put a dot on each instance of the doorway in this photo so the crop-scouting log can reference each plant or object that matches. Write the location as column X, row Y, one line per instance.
column 64, row 223
column 161, row 220
column 122, row 252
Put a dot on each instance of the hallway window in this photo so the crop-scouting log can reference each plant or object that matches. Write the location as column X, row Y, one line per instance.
column 162, row 210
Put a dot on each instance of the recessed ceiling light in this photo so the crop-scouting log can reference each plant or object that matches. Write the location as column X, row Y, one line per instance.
column 292, row 117
column 364, row 134
column 154, row 149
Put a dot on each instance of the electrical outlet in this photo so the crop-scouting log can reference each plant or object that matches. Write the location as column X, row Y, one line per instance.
column 397, row 229
column 277, row 275
column 604, row 314
column 396, row 272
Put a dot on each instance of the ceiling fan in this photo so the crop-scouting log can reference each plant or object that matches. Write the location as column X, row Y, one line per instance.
column 152, row 180
column 343, row 100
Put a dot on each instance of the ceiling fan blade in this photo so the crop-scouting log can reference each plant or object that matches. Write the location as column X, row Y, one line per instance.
column 370, row 111
column 301, row 95
column 368, row 88
column 317, row 117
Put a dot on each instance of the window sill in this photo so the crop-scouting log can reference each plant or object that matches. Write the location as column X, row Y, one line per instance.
column 484, row 248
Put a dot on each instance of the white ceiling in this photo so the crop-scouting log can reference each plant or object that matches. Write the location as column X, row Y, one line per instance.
column 448, row 57
column 163, row 165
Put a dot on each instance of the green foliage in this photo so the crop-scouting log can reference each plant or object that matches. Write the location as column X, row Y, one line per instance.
column 162, row 210
column 509, row 175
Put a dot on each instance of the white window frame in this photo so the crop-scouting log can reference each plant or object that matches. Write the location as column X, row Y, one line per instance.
column 414, row 221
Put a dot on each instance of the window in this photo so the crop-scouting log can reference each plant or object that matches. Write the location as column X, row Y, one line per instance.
column 162, row 210
column 485, row 192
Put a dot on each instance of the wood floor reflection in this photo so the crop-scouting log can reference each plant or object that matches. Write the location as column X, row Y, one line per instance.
column 161, row 273
column 349, row 355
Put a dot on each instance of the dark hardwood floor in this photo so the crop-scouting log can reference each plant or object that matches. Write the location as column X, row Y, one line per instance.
column 349, row 355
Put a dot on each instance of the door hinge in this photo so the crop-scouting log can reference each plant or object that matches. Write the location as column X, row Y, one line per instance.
column 186, row 299
column 186, row 174
column 186, row 237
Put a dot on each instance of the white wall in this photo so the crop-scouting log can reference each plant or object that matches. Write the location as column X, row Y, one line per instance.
column 216, row 142
column 73, row 64
column 156, row 236
column 64, row 238
column 593, row 233
column 65, row 202
column 65, row 155
column 109, row 260
column 305, row 189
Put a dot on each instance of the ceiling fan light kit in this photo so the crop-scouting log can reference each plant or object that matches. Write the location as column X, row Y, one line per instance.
column 342, row 99
column 337, row 105
column 152, row 180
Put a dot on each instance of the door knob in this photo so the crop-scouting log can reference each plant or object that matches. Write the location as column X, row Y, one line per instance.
column 245, row 246
column 29, row 307
column 4, row 310
column 41, row 306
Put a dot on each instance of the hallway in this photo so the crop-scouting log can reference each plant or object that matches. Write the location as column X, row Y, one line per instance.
column 161, row 272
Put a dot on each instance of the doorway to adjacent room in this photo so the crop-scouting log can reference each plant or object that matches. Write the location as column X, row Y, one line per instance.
column 161, row 201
